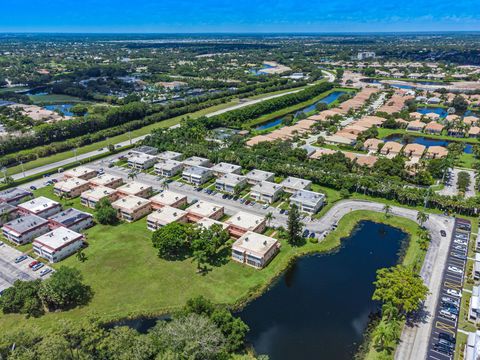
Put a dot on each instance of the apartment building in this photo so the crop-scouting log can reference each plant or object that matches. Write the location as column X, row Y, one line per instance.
column 107, row 180
column 168, row 198
column 197, row 175
column 135, row 188
column 164, row 216
column 40, row 206
column 24, row 229
column 141, row 161
column 71, row 187
column 197, row 161
column 168, row 168
column 242, row 222
column 308, row 201
column 91, row 197
column 231, row 183
column 72, row 219
column 255, row 176
column 223, row 168
column 14, row 196
column 80, row 172
column 266, row 191
column 169, row 155
column 58, row 244
column 132, row 208
column 254, row 249
column 204, row 209
column 293, row 184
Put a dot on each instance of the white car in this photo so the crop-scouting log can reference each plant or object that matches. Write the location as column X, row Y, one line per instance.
column 454, row 292
column 447, row 315
column 460, row 242
column 455, row 269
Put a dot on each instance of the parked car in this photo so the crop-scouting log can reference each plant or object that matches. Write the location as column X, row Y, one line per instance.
column 20, row 258
column 45, row 271
column 265, row 206
column 443, row 233
column 460, row 247
column 306, row 233
column 460, row 242
column 459, row 256
column 312, row 235
column 447, row 315
column 38, row 266
column 454, row 292
column 282, row 211
column 443, row 349
column 455, row 269
column 446, row 343
column 194, row 201
column 448, row 299
column 447, row 337
column 54, row 181
column 224, row 196
column 33, row 188
column 2, row 243
column 33, row 263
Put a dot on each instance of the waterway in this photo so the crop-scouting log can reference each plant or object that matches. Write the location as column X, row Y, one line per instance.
column 330, row 98
column 319, row 309
column 427, row 142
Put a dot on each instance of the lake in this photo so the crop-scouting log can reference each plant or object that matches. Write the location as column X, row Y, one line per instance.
column 330, row 98
column 320, row 307
column 64, row 108
column 425, row 141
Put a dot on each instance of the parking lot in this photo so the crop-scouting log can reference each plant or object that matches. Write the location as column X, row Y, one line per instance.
column 11, row 271
column 445, row 322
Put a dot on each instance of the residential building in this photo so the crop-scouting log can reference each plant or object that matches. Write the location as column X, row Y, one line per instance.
column 169, row 155
column 91, row 197
column 293, row 184
column 168, row 198
column 474, row 132
column 308, row 201
column 71, row 187
column 266, row 191
column 255, row 249
column 371, row 145
column 107, row 180
column 7, row 213
column 456, row 132
column 14, row 196
column 223, row 168
column 168, row 168
column 204, row 209
column 136, row 189
column 40, row 206
column 197, row 161
column 72, row 219
column 164, row 216
column 231, row 183
column 472, row 349
column 433, row 128
column 197, row 175
column 436, row 152
column 144, row 149
column 474, row 306
column 57, row 244
column 255, row 176
column 24, row 229
column 476, row 267
column 391, row 149
column 80, row 172
column 416, row 125
column 414, row 150
column 242, row 222
column 132, row 208
column 141, row 161
column 207, row 223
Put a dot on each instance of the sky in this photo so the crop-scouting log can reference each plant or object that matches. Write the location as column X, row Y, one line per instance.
column 240, row 16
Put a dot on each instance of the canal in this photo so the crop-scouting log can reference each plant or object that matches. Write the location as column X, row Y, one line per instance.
column 319, row 309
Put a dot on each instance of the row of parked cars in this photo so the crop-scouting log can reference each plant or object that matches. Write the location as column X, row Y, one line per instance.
column 34, row 265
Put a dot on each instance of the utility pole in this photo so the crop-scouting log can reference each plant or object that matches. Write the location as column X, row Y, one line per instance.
column 75, row 153
column 23, row 169
column 130, row 137
column 4, row 170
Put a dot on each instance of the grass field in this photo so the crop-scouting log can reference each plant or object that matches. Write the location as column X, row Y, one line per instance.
column 130, row 280
column 53, row 99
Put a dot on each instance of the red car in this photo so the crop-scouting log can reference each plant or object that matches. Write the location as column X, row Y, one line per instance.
column 32, row 264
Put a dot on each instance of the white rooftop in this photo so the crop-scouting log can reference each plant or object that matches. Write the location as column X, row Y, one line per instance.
column 196, row 161
column 224, row 167
column 79, row 171
column 57, row 238
column 196, row 171
column 104, row 179
column 266, row 187
column 166, row 215
column 169, row 155
column 308, row 197
column 245, row 220
column 130, row 203
column 204, row 208
column 133, row 188
column 167, row 197
column 38, row 204
column 70, row 184
column 255, row 243
column 231, row 179
column 98, row 192
column 141, row 158
column 207, row 223
column 259, row 175
column 295, row 183
column 168, row 165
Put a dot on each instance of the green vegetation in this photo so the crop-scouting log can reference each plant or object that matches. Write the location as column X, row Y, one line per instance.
column 105, row 214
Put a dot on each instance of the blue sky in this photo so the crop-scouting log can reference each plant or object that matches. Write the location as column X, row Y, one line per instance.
column 238, row 16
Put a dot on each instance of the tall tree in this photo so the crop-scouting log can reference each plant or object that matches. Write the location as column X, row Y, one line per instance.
column 294, row 225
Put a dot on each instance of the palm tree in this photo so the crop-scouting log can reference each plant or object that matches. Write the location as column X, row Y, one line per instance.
column 269, row 217
column 132, row 175
column 387, row 209
column 422, row 218
column 164, row 185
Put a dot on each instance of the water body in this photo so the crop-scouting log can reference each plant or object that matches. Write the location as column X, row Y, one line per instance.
column 425, row 141
column 64, row 108
column 437, row 110
column 330, row 98
column 404, row 86
column 261, row 72
column 320, row 307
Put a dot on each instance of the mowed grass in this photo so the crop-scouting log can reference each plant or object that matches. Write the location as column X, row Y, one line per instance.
column 54, row 99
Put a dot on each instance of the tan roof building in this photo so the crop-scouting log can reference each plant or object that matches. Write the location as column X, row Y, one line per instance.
column 391, row 148
column 131, row 208
column 254, row 249
column 71, row 187
column 436, row 152
column 320, row 152
column 107, row 180
column 414, row 150
column 372, row 144
column 204, row 209
column 470, row 120
column 135, row 188
column 164, row 216
column 81, row 172
column 433, row 128
column 168, row 198
column 474, row 131
column 243, row 221
column 416, row 125
column 90, row 197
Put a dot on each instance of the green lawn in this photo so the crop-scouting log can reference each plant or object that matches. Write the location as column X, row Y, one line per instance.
column 53, row 99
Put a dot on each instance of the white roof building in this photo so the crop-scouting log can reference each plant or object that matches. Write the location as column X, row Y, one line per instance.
column 169, row 155
column 207, row 223
column 40, row 206
column 169, row 198
column 81, row 172
column 142, row 160
column 164, row 216
column 293, row 184
column 111, row 181
column 266, row 191
column 257, row 176
column 308, row 201
column 71, row 187
column 254, row 249
column 57, row 244
column 225, row 168
column 135, row 188
column 204, row 209
column 197, row 161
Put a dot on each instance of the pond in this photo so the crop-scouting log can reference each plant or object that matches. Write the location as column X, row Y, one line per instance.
column 64, row 108
column 320, row 307
column 437, row 110
column 425, row 141
column 330, row 98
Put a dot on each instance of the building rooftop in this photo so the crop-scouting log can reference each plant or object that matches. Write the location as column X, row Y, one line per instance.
column 6, row 208
column 168, row 165
column 130, row 203
column 13, row 194
column 58, row 238
column 254, row 243
column 98, row 192
column 231, row 179
column 266, row 187
column 196, row 170
column 38, row 204
column 166, row 215
column 79, row 171
column 25, row 223
column 245, row 220
column 167, row 197
column 224, row 167
column 196, row 161
column 207, row 223
column 70, row 184
column 105, row 179
column 133, row 188
column 169, row 155
column 141, row 158
column 259, row 175
column 295, row 183
column 204, row 208
column 150, row 150
column 308, row 197
column 69, row 217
